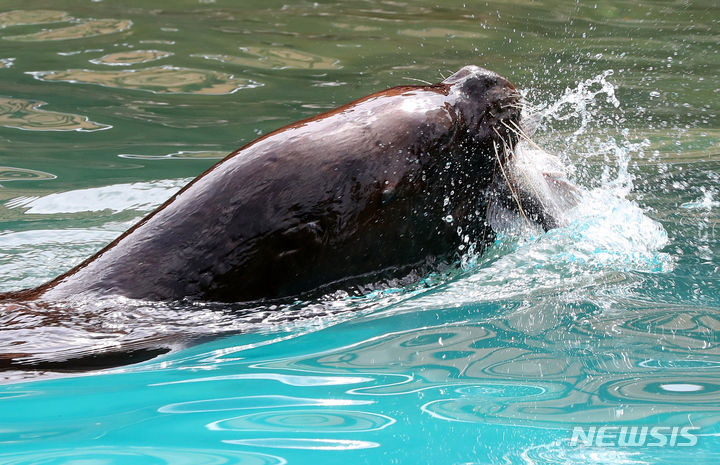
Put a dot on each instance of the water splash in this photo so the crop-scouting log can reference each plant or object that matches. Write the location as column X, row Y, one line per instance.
column 602, row 231
column 706, row 202
column 585, row 126
column 578, row 104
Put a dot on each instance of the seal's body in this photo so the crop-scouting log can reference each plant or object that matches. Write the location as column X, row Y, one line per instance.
column 375, row 188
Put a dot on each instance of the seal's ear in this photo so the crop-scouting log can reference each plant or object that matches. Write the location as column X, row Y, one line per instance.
column 476, row 82
column 467, row 72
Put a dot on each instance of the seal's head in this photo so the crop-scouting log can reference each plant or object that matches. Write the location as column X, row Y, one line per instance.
column 528, row 184
column 488, row 105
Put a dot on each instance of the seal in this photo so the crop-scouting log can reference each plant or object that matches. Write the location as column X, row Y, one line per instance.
column 392, row 183
column 387, row 187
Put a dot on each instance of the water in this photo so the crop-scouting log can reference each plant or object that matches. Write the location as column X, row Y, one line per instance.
column 610, row 321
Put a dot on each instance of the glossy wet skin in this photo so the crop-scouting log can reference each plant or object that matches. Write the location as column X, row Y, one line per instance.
column 375, row 189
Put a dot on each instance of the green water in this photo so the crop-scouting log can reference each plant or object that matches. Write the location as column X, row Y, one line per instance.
column 108, row 107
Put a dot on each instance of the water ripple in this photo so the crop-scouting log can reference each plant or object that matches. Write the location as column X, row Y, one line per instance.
column 131, row 57
column 439, row 32
column 254, row 402
column 182, row 155
column 303, row 443
column 137, row 196
column 276, row 58
column 290, row 380
column 132, row 455
column 91, row 28
column 27, row 115
column 9, row 173
column 312, row 421
column 682, row 390
column 158, row 80
column 30, row 17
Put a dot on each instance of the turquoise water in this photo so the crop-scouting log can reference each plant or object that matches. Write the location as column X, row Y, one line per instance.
column 610, row 321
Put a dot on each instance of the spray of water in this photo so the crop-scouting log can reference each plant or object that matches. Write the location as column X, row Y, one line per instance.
column 604, row 216
column 602, row 231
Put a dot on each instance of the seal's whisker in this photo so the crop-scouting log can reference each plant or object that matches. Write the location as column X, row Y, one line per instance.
column 526, row 137
column 513, row 130
column 522, row 134
column 529, row 105
column 419, row 80
column 537, row 194
column 518, row 130
column 508, row 177
column 507, row 180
